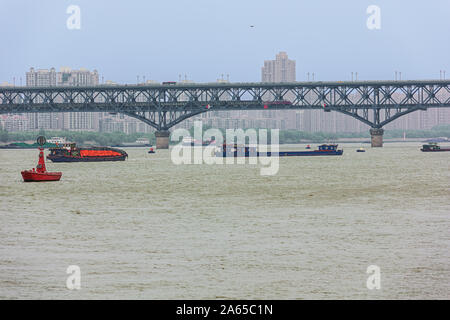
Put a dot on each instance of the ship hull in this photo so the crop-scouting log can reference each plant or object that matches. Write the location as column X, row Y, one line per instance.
column 284, row 154
column 438, row 150
column 309, row 153
column 32, row 176
column 64, row 158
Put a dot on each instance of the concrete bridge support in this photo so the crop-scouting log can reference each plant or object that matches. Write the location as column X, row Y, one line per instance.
column 376, row 135
column 162, row 139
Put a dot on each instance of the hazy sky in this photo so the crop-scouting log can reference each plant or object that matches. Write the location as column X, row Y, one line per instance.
column 207, row 38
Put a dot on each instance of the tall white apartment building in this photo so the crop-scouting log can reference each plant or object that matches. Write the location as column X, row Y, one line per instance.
column 43, row 78
column 282, row 69
column 60, row 120
column 85, row 121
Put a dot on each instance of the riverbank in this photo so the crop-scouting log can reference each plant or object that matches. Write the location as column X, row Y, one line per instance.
column 439, row 134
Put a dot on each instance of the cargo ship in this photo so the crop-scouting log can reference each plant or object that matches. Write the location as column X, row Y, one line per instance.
column 433, row 147
column 249, row 151
column 190, row 142
column 50, row 143
column 69, row 152
column 140, row 142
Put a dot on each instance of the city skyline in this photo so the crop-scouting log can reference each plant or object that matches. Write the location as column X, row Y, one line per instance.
column 281, row 69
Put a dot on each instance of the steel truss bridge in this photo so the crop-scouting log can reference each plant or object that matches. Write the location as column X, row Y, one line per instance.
column 163, row 106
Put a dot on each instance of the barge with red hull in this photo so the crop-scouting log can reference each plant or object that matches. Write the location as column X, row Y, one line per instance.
column 71, row 153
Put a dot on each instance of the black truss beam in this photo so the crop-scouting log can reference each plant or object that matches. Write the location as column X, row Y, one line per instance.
column 163, row 106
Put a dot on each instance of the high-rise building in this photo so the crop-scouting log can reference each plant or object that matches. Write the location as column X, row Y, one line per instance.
column 60, row 120
column 13, row 122
column 81, row 77
column 279, row 70
column 79, row 120
column 282, row 69
column 42, row 78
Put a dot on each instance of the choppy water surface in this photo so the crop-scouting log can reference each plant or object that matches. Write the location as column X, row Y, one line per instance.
column 148, row 229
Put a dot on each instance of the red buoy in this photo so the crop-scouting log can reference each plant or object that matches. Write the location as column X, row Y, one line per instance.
column 40, row 173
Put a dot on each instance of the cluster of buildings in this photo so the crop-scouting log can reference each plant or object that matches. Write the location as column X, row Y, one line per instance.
column 282, row 69
column 73, row 121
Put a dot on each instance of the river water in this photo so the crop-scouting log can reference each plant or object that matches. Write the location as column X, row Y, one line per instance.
column 148, row 229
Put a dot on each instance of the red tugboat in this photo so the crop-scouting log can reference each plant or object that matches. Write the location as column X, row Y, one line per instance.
column 40, row 173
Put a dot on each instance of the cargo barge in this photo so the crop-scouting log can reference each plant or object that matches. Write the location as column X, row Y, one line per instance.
column 247, row 151
column 433, row 147
column 190, row 142
column 69, row 152
column 50, row 143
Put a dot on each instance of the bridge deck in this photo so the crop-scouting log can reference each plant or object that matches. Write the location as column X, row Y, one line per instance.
column 164, row 105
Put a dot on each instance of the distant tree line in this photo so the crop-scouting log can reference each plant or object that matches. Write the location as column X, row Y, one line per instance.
column 79, row 137
column 437, row 131
column 296, row 136
column 285, row 136
column 4, row 135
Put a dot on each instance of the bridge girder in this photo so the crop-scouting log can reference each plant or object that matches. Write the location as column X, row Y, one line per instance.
column 163, row 106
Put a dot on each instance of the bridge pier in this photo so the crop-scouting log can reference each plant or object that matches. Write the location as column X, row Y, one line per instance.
column 162, row 139
column 376, row 135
